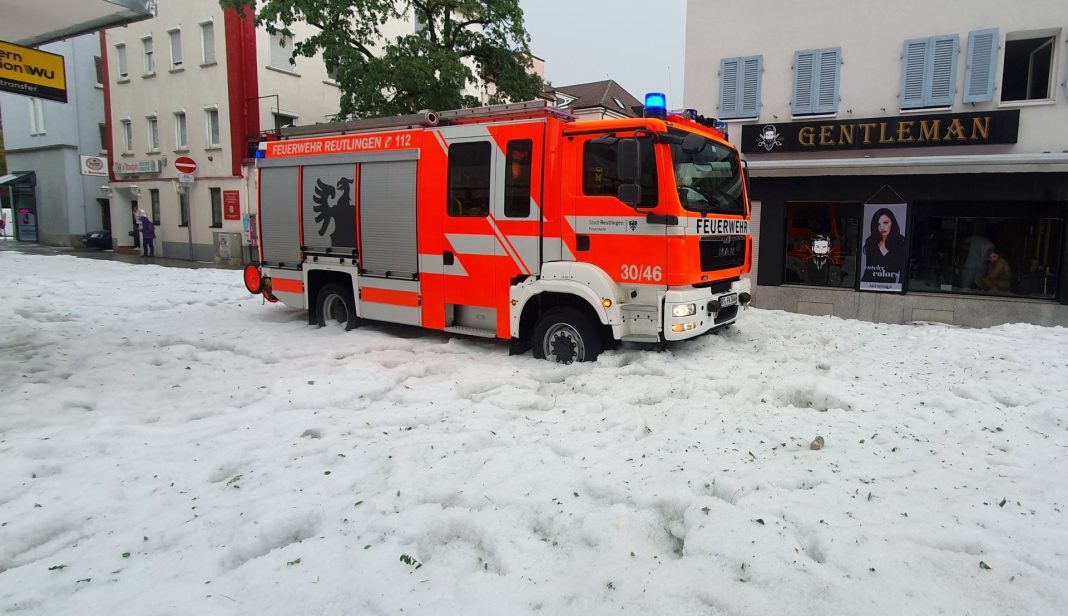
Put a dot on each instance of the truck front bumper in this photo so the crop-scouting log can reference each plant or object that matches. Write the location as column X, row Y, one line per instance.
column 688, row 313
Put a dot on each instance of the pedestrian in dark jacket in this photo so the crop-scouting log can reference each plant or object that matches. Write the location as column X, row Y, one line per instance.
column 148, row 233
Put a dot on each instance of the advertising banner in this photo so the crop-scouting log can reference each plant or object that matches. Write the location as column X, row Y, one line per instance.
column 32, row 72
column 884, row 253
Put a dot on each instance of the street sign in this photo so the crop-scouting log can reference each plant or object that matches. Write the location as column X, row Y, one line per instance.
column 184, row 164
column 185, row 178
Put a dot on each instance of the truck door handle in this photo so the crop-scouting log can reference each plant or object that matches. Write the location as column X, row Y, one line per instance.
column 447, row 257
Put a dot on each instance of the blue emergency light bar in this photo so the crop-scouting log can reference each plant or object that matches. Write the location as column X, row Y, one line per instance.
column 655, row 105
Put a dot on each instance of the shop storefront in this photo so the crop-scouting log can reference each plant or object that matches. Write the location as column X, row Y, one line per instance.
column 972, row 238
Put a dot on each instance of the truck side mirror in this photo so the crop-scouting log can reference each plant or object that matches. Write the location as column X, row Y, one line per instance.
column 631, row 194
column 628, row 160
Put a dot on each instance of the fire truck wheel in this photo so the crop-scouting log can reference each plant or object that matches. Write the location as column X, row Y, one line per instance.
column 335, row 305
column 565, row 335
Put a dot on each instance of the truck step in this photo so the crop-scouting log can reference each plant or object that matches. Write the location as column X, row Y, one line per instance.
column 641, row 338
column 471, row 331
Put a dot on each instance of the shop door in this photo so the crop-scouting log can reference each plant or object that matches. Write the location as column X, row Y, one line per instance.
column 25, row 213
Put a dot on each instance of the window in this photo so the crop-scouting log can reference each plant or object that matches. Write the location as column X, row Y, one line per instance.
column 216, row 207
column 281, row 53
column 283, row 119
column 979, row 70
column 99, row 66
column 127, row 137
column 103, row 127
column 739, row 87
column 600, row 174
column 518, row 162
column 929, row 72
column 120, row 55
column 181, row 133
column 469, row 179
column 153, row 133
column 816, row 73
column 153, row 194
column 207, row 41
column 37, row 119
column 176, row 48
column 211, row 119
column 954, row 243
column 1028, row 72
column 150, row 60
column 822, row 242
column 710, row 179
column 183, row 208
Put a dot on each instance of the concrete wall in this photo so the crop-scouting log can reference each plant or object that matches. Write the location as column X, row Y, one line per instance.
column 871, row 35
column 891, row 308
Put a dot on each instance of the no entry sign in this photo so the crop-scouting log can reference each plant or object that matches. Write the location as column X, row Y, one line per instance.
column 184, row 164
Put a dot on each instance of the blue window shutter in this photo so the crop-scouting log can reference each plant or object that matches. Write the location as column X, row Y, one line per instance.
column 728, row 87
column 943, row 71
column 825, row 94
column 804, row 82
column 982, row 62
column 749, row 101
column 913, row 66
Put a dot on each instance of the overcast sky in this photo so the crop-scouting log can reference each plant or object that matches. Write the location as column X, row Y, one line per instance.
column 637, row 43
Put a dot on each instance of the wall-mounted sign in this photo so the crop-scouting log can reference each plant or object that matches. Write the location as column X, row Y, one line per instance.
column 911, row 131
column 231, row 205
column 94, row 165
column 138, row 167
column 32, row 72
column 883, row 259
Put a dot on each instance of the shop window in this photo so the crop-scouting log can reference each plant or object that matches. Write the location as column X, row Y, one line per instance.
column 822, row 242
column 1028, row 70
column 216, row 207
column 955, row 251
column 600, row 171
column 153, row 193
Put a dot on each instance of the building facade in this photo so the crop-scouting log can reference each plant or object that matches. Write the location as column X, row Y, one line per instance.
column 907, row 163
column 197, row 86
column 56, row 153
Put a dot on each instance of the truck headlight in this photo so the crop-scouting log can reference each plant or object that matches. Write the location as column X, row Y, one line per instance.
column 684, row 310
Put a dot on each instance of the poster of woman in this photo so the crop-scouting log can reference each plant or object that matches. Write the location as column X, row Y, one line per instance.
column 883, row 257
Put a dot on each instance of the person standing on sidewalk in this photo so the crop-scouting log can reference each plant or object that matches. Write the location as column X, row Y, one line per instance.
column 148, row 236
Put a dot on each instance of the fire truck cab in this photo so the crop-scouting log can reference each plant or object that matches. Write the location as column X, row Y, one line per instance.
column 512, row 221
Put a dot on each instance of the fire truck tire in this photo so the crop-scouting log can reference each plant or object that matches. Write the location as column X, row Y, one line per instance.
column 565, row 335
column 335, row 305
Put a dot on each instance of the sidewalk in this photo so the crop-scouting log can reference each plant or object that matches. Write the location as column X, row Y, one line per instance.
column 10, row 244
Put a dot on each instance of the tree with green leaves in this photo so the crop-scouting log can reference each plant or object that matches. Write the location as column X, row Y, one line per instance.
column 456, row 46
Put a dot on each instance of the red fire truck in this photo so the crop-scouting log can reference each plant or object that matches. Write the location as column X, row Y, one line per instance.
column 511, row 221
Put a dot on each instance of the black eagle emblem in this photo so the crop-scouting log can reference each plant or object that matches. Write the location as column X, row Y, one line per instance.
column 340, row 211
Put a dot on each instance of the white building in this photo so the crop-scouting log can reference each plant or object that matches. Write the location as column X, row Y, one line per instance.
column 57, row 196
column 201, row 83
column 953, row 115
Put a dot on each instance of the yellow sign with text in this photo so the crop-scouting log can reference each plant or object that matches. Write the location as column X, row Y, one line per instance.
column 32, row 72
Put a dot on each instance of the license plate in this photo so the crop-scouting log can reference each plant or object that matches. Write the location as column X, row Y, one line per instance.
column 728, row 300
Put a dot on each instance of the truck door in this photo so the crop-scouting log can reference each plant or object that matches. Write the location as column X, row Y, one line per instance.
column 629, row 245
column 469, row 244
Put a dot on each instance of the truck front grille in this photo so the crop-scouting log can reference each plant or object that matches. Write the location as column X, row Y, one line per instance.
column 722, row 252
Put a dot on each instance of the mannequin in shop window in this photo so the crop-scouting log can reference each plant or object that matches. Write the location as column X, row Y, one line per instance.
column 884, row 250
column 998, row 274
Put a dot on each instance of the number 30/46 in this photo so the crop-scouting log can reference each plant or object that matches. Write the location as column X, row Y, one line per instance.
column 640, row 272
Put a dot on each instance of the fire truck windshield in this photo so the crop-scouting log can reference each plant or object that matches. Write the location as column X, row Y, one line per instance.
column 709, row 179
